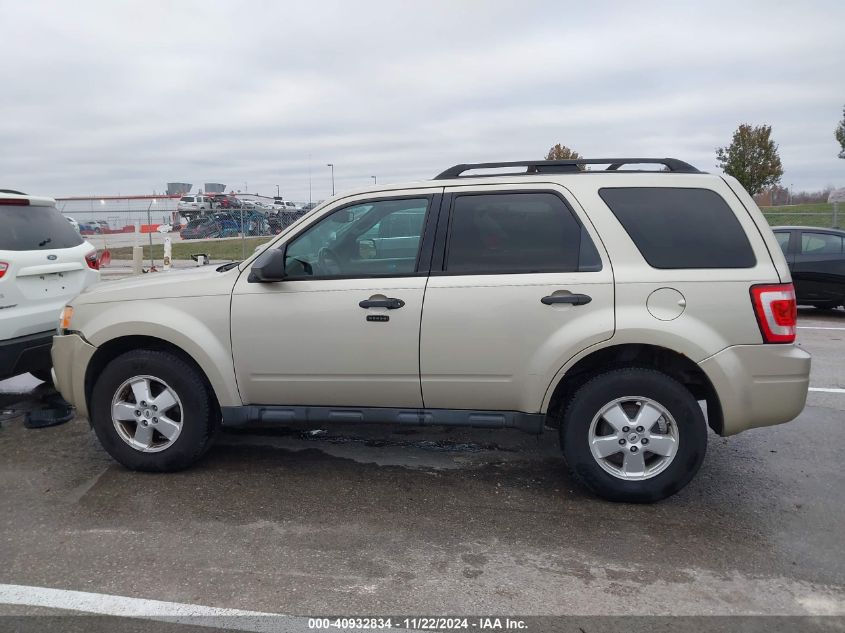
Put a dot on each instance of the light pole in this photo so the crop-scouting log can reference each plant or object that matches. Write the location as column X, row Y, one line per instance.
column 278, row 195
column 375, row 181
column 332, row 166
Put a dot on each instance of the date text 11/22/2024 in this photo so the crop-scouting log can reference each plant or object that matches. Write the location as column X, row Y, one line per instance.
column 419, row 624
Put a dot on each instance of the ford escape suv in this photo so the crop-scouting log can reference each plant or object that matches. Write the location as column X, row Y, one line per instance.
column 629, row 308
column 44, row 263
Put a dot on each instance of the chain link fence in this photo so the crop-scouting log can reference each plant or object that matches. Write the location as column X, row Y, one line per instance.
column 818, row 215
column 220, row 233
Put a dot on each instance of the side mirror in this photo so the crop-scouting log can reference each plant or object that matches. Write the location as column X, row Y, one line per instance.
column 367, row 249
column 269, row 267
column 345, row 216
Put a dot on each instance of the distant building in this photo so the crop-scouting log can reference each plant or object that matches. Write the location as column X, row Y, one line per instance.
column 214, row 187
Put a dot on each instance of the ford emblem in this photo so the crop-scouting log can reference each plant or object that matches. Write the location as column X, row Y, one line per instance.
column 52, row 257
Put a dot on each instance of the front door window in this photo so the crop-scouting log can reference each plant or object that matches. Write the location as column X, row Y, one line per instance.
column 371, row 239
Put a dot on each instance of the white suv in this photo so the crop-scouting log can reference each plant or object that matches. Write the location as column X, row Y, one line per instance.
column 44, row 263
column 616, row 305
column 193, row 204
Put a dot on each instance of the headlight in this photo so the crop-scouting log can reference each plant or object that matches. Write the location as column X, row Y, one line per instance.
column 65, row 318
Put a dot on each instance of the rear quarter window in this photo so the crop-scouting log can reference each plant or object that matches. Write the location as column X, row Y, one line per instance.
column 678, row 228
column 35, row 228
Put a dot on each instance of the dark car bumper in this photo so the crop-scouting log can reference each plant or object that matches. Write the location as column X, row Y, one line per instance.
column 25, row 353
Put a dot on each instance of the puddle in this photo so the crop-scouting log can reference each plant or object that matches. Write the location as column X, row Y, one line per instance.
column 321, row 435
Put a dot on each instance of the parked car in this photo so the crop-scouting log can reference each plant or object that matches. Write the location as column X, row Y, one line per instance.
column 165, row 228
column 616, row 306
column 90, row 228
column 44, row 264
column 199, row 229
column 229, row 224
column 816, row 259
column 274, row 224
column 103, row 226
column 224, row 201
column 193, row 205
column 280, row 204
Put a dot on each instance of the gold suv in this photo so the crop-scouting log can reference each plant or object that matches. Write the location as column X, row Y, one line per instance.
column 629, row 303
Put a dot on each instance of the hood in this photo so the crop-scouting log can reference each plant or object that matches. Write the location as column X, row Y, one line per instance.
column 192, row 282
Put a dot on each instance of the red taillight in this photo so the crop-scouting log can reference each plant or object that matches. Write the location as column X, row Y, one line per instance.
column 3, row 268
column 15, row 202
column 776, row 311
column 92, row 260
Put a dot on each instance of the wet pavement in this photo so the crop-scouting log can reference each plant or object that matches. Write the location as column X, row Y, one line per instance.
column 372, row 520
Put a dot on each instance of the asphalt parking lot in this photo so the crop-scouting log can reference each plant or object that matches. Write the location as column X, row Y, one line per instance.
column 378, row 520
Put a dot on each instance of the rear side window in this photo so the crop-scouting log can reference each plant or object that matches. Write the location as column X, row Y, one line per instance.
column 820, row 244
column 783, row 240
column 516, row 233
column 33, row 228
column 681, row 228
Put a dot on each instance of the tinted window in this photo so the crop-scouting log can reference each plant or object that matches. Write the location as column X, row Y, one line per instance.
column 350, row 242
column 34, row 228
column 783, row 240
column 681, row 228
column 820, row 244
column 514, row 232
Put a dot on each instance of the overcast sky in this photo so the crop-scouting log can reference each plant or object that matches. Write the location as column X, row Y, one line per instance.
column 122, row 97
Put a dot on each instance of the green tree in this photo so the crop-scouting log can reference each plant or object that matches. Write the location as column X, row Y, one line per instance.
column 752, row 158
column 561, row 152
column 840, row 134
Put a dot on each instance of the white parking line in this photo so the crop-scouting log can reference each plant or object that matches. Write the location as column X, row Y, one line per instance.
column 176, row 612
column 818, row 327
column 827, row 389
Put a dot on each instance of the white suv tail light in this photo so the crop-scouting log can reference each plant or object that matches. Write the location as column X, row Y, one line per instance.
column 92, row 260
column 776, row 311
column 3, row 268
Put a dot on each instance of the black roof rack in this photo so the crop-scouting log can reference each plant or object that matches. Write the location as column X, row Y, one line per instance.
column 569, row 166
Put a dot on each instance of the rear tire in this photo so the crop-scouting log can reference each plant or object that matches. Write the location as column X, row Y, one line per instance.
column 167, row 430
column 615, row 415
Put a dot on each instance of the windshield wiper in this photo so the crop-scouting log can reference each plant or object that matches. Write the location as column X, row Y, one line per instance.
column 45, row 242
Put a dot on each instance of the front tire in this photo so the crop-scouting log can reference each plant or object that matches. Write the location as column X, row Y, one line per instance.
column 634, row 435
column 152, row 411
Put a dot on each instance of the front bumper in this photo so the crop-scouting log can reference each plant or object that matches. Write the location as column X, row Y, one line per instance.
column 71, row 355
column 25, row 353
column 759, row 385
